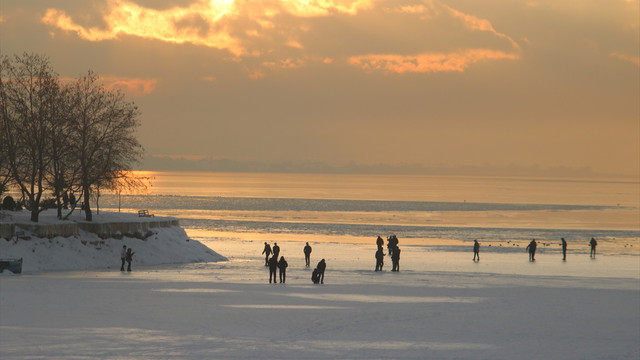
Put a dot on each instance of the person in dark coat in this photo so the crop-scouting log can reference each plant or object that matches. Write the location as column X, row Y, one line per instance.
column 532, row 250
column 395, row 259
column 322, row 266
column 315, row 276
column 593, row 243
column 282, row 270
column 476, row 250
column 266, row 252
column 379, row 259
column 129, row 258
column 276, row 250
column 392, row 244
column 123, row 256
column 273, row 266
column 307, row 255
column 564, row 249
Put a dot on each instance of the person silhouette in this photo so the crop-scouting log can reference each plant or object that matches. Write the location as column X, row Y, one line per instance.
column 282, row 269
column 307, row 255
column 315, row 276
column 392, row 244
column 129, row 258
column 395, row 259
column 266, row 252
column 532, row 250
column 593, row 243
column 123, row 256
column 273, row 265
column 476, row 250
column 379, row 259
column 322, row 266
column 564, row 249
column 276, row 250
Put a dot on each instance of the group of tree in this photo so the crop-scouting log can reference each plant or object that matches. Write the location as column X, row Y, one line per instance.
column 61, row 137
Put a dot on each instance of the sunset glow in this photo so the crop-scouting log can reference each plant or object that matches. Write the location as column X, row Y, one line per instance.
column 412, row 83
column 175, row 25
column 428, row 62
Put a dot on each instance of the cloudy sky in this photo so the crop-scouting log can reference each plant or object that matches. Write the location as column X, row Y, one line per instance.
column 454, row 82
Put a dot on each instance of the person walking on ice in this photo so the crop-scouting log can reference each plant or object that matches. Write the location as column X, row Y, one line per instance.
column 129, row 258
column 266, row 252
column 532, row 250
column 273, row 266
column 322, row 266
column 307, row 255
column 593, row 243
column 282, row 270
column 564, row 249
column 123, row 256
column 476, row 250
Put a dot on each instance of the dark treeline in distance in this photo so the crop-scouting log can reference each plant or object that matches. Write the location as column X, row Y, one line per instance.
column 62, row 138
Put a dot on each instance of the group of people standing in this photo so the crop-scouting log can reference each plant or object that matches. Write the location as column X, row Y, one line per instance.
column 394, row 253
column 317, row 276
column 274, row 264
column 533, row 245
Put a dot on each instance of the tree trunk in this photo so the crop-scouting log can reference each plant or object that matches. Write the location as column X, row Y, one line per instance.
column 87, row 208
column 34, row 213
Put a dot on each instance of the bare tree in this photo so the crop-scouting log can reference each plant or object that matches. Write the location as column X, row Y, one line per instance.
column 5, row 169
column 79, row 137
column 29, row 87
column 63, row 168
column 102, row 134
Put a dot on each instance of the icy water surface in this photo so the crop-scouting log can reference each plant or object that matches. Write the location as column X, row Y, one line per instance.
column 438, row 211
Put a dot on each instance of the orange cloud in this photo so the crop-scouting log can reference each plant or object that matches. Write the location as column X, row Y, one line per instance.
column 413, row 9
column 313, row 8
column 632, row 59
column 287, row 63
column 477, row 24
column 428, row 62
column 201, row 23
column 132, row 86
column 247, row 28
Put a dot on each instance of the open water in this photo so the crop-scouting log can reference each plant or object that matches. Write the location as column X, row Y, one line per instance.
column 443, row 212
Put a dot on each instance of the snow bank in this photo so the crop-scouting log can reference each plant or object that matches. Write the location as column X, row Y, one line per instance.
column 154, row 240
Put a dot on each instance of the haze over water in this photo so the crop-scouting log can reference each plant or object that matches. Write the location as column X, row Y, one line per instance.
column 446, row 212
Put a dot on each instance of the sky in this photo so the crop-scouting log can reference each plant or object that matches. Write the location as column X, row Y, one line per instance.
column 546, row 83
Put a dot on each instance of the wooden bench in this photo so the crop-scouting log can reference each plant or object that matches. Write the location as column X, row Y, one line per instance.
column 21, row 235
column 144, row 213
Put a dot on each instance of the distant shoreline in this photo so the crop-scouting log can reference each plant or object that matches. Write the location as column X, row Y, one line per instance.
column 211, row 164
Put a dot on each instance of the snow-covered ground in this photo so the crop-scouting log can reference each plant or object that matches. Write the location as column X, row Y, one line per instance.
column 167, row 245
column 441, row 305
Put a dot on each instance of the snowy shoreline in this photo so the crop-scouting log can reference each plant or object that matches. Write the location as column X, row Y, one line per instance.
column 155, row 240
